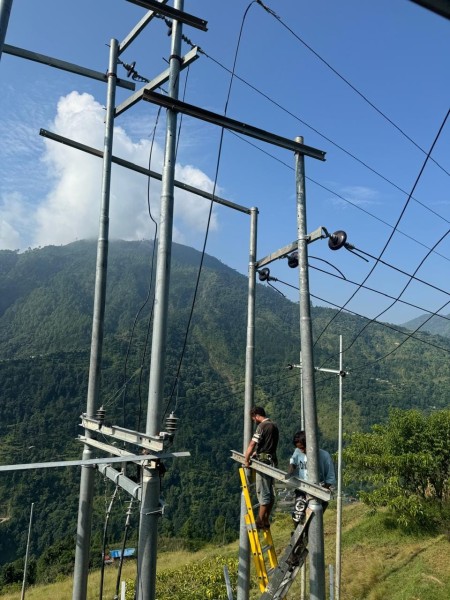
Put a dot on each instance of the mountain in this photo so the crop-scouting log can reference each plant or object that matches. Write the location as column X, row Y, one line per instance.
column 45, row 329
column 437, row 325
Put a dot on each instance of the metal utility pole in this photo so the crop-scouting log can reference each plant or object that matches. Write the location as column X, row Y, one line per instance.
column 81, row 566
column 5, row 11
column 243, row 585
column 150, row 506
column 316, row 543
column 339, row 480
column 25, row 568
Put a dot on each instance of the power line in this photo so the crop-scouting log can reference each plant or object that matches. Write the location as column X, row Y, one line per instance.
column 340, row 196
column 350, row 154
column 175, row 384
column 350, row 85
column 398, row 220
column 341, row 309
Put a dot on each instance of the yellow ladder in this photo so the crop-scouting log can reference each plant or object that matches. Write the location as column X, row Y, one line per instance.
column 258, row 551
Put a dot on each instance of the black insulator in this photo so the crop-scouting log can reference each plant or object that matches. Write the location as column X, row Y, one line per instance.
column 337, row 240
column 171, row 424
column 293, row 260
column 101, row 412
column 264, row 274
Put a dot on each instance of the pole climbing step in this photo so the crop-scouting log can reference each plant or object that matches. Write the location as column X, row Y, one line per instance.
column 259, row 552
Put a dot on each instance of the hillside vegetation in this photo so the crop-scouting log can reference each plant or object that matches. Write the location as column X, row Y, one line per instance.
column 378, row 563
column 45, row 328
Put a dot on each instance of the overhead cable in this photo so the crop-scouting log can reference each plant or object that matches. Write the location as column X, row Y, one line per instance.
column 350, row 85
column 377, row 260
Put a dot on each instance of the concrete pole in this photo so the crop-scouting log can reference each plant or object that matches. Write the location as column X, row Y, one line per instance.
column 339, row 481
column 5, row 11
column 316, row 543
column 81, row 567
column 25, row 568
column 243, row 585
column 150, row 505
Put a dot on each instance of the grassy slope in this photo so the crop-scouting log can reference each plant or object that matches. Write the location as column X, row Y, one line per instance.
column 379, row 563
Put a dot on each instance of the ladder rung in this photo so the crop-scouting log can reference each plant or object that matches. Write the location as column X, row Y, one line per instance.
column 266, row 548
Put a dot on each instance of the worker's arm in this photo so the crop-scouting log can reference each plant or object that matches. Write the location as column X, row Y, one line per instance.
column 249, row 452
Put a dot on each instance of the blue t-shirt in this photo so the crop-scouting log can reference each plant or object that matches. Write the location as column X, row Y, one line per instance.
column 326, row 466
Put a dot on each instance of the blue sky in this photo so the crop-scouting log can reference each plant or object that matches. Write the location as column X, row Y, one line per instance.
column 394, row 53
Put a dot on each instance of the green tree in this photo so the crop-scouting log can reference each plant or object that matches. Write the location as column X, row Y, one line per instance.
column 405, row 466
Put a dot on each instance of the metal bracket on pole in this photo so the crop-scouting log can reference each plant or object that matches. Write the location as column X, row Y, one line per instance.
column 147, row 172
column 232, row 124
column 65, row 66
column 318, row 234
column 125, row 435
column 172, row 13
column 156, row 82
column 138, row 28
column 289, row 480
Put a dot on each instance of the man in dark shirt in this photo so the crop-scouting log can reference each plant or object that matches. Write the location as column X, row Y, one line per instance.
column 263, row 447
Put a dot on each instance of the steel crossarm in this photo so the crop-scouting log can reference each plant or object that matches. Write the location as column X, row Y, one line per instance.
column 125, row 435
column 292, row 481
column 93, row 461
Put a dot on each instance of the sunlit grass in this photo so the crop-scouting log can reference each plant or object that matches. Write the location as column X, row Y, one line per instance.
column 378, row 562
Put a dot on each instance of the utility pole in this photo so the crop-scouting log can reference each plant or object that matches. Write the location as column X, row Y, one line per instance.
column 243, row 585
column 5, row 11
column 339, row 480
column 316, row 543
column 25, row 568
column 81, row 566
column 150, row 506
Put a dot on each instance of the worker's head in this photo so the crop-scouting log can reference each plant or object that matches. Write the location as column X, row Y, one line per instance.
column 299, row 441
column 257, row 411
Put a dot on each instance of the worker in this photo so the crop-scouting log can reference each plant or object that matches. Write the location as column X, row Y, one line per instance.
column 263, row 447
column 298, row 465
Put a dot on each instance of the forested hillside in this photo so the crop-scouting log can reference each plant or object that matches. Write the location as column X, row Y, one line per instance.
column 45, row 327
column 437, row 325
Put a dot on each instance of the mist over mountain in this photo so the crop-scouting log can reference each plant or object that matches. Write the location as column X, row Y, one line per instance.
column 436, row 325
column 45, row 332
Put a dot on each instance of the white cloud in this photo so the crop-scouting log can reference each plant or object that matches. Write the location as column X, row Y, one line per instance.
column 70, row 210
column 13, row 220
column 357, row 194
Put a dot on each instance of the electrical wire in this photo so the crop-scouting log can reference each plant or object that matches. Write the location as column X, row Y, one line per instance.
column 341, row 197
column 395, row 226
column 150, row 285
column 180, row 362
column 404, row 341
column 382, row 324
column 350, row 85
column 326, row 138
column 379, row 292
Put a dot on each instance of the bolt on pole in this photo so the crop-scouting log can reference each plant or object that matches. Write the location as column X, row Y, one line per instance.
column 150, row 505
column 316, row 542
column 81, row 567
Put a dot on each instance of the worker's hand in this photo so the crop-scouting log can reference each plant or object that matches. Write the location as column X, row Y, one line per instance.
column 247, row 463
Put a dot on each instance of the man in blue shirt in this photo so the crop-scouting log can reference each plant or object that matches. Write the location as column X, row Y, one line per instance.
column 298, row 465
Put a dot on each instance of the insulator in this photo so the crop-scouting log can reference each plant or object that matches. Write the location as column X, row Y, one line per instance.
column 293, row 260
column 171, row 424
column 337, row 240
column 101, row 412
column 264, row 274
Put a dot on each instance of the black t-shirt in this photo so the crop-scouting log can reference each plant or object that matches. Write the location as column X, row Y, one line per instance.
column 266, row 438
